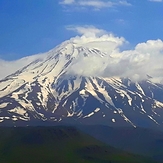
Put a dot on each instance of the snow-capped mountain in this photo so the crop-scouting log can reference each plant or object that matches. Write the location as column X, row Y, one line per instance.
column 50, row 89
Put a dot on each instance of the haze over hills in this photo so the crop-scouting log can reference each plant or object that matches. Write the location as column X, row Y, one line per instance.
column 75, row 83
column 142, row 141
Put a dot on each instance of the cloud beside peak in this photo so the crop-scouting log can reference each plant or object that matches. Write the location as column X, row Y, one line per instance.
column 9, row 67
column 90, row 36
column 145, row 59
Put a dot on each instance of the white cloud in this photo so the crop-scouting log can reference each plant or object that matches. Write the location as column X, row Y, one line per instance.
column 124, row 3
column 151, row 46
column 156, row 0
column 9, row 67
column 145, row 59
column 67, row 2
column 88, row 31
column 96, row 38
column 97, row 4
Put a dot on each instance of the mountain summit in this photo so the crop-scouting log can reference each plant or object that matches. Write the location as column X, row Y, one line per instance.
column 71, row 84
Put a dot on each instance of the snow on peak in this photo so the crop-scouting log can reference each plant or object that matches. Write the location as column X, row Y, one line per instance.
column 92, row 55
column 106, row 44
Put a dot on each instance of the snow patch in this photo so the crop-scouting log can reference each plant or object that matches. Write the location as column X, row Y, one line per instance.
column 1, row 119
column 14, row 118
column 3, row 105
column 18, row 110
column 82, row 92
column 125, row 94
column 158, row 104
column 70, row 114
column 97, row 110
column 152, row 119
column 139, row 88
column 89, row 115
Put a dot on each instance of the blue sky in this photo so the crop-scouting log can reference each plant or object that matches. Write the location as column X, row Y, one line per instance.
column 32, row 26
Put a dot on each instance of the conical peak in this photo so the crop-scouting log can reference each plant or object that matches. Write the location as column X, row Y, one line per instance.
column 70, row 49
column 67, row 57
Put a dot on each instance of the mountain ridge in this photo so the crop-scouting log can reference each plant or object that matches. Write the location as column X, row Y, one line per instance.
column 59, row 87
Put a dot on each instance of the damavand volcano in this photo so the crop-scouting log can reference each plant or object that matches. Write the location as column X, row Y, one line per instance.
column 49, row 91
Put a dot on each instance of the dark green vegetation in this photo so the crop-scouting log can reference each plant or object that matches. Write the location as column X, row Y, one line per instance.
column 140, row 141
column 58, row 145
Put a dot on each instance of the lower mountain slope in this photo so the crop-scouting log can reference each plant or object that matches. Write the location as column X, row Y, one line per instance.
column 138, row 140
column 60, row 145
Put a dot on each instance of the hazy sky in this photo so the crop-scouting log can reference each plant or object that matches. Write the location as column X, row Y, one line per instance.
column 32, row 26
